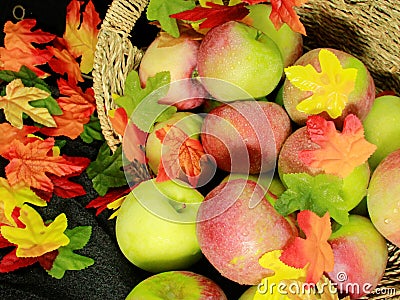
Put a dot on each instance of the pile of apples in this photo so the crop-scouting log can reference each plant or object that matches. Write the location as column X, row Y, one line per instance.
column 234, row 98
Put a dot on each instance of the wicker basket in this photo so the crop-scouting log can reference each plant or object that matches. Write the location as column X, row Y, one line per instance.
column 368, row 29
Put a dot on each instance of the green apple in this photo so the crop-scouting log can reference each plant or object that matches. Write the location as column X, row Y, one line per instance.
column 290, row 43
column 241, row 56
column 383, row 198
column 382, row 128
column 249, row 293
column 177, row 285
column 156, row 228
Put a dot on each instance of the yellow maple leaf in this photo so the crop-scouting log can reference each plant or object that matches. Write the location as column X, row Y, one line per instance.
column 16, row 101
column 331, row 88
column 36, row 238
column 15, row 196
column 82, row 37
column 115, row 205
column 270, row 287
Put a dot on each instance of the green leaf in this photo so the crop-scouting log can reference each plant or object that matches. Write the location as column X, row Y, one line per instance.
column 320, row 193
column 50, row 103
column 106, row 171
column 143, row 103
column 28, row 77
column 66, row 258
column 160, row 10
column 92, row 131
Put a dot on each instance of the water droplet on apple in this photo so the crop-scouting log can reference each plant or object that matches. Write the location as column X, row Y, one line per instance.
column 387, row 221
column 396, row 210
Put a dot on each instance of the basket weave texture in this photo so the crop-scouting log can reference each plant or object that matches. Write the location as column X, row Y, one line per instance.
column 368, row 29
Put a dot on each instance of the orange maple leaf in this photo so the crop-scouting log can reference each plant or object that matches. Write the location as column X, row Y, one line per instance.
column 30, row 163
column 82, row 37
column 20, row 36
column 63, row 62
column 339, row 153
column 73, row 99
column 68, row 124
column 283, row 12
column 180, row 153
column 13, row 59
column 313, row 251
column 9, row 133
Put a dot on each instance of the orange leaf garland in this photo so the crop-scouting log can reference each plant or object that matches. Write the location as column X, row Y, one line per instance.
column 20, row 35
column 30, row 163
column 214, row 14
column 339, row 153
column 314, row 250
column 81, row 37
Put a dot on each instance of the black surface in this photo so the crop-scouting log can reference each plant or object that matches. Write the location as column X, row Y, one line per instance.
column 112, row 276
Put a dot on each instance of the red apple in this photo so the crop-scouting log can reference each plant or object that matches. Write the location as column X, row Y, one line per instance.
column 383, row 198
column 245, row 136
column 177, row 285
column 354, row 185
column 179, row 57
column 233, row 236
column 360, row 255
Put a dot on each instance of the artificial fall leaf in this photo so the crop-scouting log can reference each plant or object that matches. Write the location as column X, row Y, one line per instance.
column 186, row 32
column 32, row 162
column 16, row 102
column 161, row 10
column 339, row 153
column 36, row 238
column 270, row 260
column 9, row 133
column 313, row 252
column 20, row 35
column 16, row 196
column 101, row 203
column 320, row 193
column 179, row 153
column 11, row 262
column 68, row 124
column 81, row 37
column 63, row 62
column 66, row 258
column 134, row 143
column 213, row 14
column 115, row 205
column 283, row 12
column 13, row 59
column 106, row 171
column 331, row 87
column 119, row 120
column 73, row 99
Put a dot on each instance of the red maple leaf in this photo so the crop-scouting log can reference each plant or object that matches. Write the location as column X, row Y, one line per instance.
column 180, row 154
column 20, row 35
column 32, row 162
column 63, row 62
column 214, row 14
column 313, row 251
column 283, row 12
column 100, row 203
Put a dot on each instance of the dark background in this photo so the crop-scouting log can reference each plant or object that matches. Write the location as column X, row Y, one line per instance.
column 112, row 276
